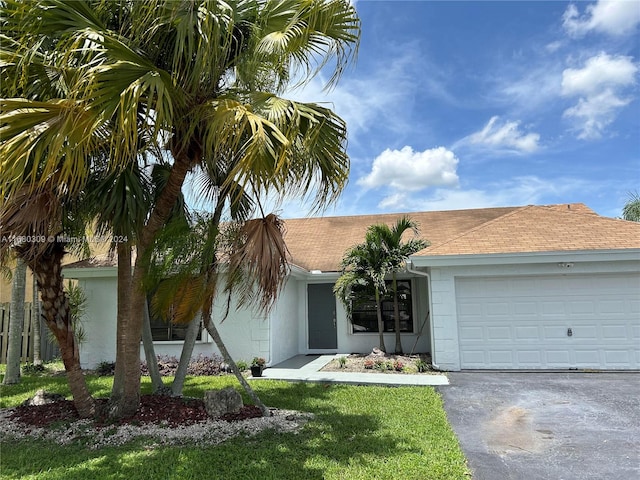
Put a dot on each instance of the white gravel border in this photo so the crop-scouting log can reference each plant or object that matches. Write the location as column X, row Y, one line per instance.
column 210, row 432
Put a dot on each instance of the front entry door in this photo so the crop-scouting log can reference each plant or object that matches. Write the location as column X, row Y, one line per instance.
column 321, row 303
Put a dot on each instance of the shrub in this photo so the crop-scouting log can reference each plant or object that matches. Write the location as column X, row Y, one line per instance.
column 383, row 365
column 199, row 366
column 342, row 362
column 105, row 369
column 369, row 364
column 33, row 369
column 242, row 365
column 422, row 366
column 205, row 366
column 398, row 366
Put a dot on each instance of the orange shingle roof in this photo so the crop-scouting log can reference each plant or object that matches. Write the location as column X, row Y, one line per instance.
column 543, row 229
column 319, row 243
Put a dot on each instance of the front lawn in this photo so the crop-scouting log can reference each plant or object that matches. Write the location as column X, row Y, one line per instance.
column 359, row 432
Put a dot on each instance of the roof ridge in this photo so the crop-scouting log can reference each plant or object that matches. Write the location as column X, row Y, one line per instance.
column 395, row 214
column 478, row 227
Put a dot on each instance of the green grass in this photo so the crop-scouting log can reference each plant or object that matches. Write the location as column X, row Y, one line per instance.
column 359, row 433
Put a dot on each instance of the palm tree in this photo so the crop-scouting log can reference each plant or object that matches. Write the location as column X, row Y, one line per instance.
column 33, row 222
column 365, row 266
column 397, row 254
column 16, row 323
column 631, row 210
column 205, row 78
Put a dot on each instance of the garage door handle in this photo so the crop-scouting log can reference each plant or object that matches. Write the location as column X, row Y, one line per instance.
column 569, row 332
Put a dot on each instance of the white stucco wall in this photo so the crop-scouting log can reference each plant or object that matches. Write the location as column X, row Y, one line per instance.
column 99, row 321
column 445, row 326
column 349, row 342
column 285, row 323
column 99, row 325
column 244, row 332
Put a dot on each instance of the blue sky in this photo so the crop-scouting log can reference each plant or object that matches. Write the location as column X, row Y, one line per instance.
column 455, row 104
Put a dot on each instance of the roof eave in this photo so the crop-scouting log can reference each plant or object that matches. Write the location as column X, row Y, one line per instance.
column 630, row 254
column 89, row 272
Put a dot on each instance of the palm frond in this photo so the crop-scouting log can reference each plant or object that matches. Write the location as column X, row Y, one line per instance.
column 260, row 253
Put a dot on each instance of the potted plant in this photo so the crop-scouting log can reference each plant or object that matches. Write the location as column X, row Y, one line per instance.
column 257, row 366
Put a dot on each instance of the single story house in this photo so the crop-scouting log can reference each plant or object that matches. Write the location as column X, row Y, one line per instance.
column 533, row 287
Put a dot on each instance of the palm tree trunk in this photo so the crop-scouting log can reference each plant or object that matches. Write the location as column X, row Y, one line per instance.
column 185, row 356
column 396, row 315
column 380, row 322
column 213, row 331
column 16, row 323
column 125, row 402
column 55, row 310
column 124, row 288
column 157, row 384
column 35, row 320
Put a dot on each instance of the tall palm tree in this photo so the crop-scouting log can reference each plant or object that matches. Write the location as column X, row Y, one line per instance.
column 397, row 253
column 205, row 76
column 365, row 266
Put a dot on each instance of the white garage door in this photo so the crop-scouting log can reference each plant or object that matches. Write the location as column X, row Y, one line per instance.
column 563, row 321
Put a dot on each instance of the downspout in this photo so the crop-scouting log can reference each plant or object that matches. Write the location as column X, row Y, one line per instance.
column 430, row 309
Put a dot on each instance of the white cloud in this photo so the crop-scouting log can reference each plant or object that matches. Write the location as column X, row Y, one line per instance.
column 409, row 170
column 527, row 190
column 504, row 136
column 363, row 100
column 599, row 72
column 599, row 84
column 595, row 113
column 618, row 17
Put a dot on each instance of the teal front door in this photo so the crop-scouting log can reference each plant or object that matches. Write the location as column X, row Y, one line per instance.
column 321, row 304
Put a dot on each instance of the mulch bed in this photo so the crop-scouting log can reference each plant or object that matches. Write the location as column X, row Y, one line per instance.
column 155, row 409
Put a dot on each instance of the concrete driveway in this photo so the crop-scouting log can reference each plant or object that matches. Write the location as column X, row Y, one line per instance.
column 548, row 426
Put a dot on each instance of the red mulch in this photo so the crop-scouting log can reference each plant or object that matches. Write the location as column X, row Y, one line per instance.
column 153, row 409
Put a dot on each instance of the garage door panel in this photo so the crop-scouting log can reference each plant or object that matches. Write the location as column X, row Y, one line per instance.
column 581, row 307
column 552, row 308
column 615, row 332
column 555, row 332
column 498, row 333
column 529, row 358
column 618, row 357
column 527, row 333
column 501, row 358
column 497, row 309
column 557, row 358
column 522, row 322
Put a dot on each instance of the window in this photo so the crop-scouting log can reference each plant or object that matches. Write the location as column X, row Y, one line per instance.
column 365, row 320
column 163, row 331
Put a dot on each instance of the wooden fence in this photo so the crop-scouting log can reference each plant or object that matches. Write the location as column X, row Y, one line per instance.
column 48, row 349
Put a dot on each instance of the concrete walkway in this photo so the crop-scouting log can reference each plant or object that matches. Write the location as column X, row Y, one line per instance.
column 306, row 368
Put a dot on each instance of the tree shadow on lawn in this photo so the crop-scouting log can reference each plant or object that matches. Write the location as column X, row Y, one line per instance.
column 332, row 441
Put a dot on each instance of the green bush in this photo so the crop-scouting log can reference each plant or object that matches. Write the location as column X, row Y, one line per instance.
column 33, row 369
column 242, row 365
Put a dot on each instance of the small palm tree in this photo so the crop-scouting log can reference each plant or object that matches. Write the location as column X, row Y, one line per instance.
column 631, row 210
column 397, row 252
column 365, row 266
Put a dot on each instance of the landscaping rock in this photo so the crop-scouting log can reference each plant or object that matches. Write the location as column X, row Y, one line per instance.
column 221, row 402
column 43, row 398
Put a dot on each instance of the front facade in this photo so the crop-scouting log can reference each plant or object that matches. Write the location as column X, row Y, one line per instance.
column 553, row 287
